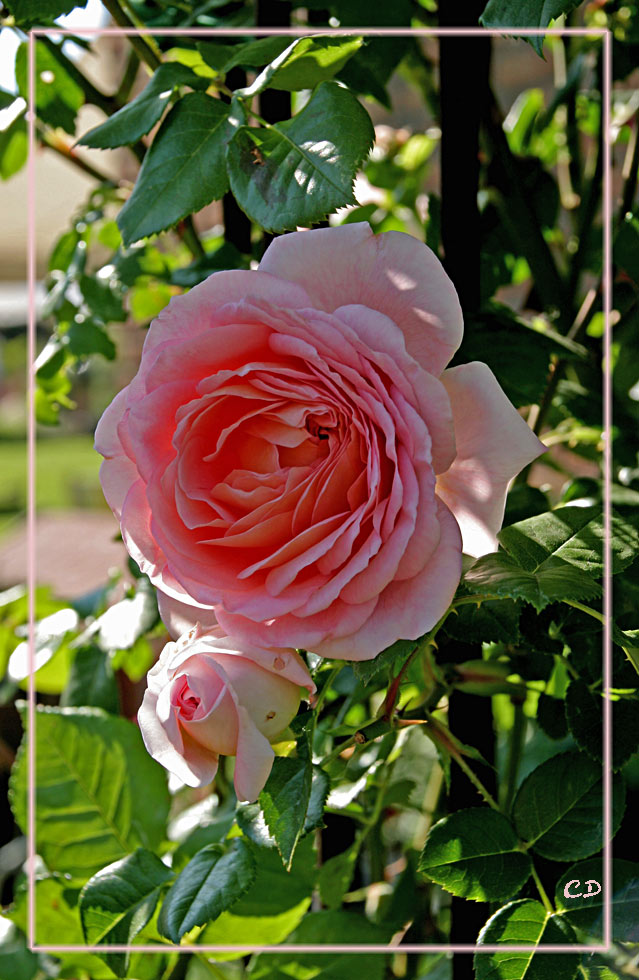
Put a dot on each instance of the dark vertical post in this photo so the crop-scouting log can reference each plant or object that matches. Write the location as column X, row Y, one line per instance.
column 470, row 719
column 464, row 86
column 463, row 72
column 275, row 106
column 237, row 227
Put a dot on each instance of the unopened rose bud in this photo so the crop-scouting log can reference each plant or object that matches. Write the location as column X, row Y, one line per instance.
column 209, row 696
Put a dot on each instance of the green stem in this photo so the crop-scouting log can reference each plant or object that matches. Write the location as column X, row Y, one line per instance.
column 128, row 78
column 63, row 149
column 366, row 734
column 191, row 239
column 477, row 598
column 91, row 93
column 542, row 891
column 516, row 744
column 477, row 783
column 627, row 649
column 321, row 697
column 630, row 186
column 145, row 48
column 319, row 701
column 585, row 609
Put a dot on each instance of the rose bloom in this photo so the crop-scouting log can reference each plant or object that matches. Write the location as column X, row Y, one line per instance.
column 208, row 696
column 293, row 459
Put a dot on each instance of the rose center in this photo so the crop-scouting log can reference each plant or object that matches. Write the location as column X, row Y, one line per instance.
column 315, row 430
column 186, row 701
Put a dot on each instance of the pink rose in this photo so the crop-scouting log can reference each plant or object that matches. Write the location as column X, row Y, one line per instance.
column 208, row 696
column 292, row 458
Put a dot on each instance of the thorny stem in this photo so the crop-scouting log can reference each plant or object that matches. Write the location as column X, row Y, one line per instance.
column 393, row 689
column 542, row 891
column 476, row 781
column 128, row 78
column 365, row 734
column 64, row 149
column 191, row 238
column 586, row 609
column 144, row 46
column 325, row 688
column 516, row 743
column 476, row 599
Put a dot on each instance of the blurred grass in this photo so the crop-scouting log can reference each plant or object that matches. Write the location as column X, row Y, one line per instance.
column 67, row 470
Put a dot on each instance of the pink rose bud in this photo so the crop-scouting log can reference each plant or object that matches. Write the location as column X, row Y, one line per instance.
column 294, row 459
column 209, row 695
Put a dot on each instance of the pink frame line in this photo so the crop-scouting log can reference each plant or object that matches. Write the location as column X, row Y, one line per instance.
column 515, row 32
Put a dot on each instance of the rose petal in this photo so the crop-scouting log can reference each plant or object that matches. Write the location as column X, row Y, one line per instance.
column 180, row 617
column 408, row 609
column 190, row 314
column 391, row 272
column 117, row 476
column 192, row 764
column 107, row 441
column 493, row 444
column 254, row 759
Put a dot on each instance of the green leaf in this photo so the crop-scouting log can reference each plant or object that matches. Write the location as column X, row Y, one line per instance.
column 473, row 854
column 211, row 882
column 118, row 902
column 273, row 906
column 285, row 801
column 16, row 959
column 327, row 928
column 92, row 770
column 519, row 924
column 140, row 116
column 102, row 299
column 573, row 534
column 184, row 169
column 335, row 876
column 28, row 13
column 14, row 148
column 52, row 658
column 298, row 171
column 599, row 967
column 558, row 808
column 551, row 716
column 305, row 63
column 586, row 912
column 226, row 256
column 136, row 660
column 551, row 581
column 91, row 681
column 320, row 788
column 57, row 918
column 523, row 502
column 626, row 244
column 394, row 655
column 58, row 96
column 85, row 337
column 253, row 54
column 518, row 354
column 525, row 13
column 584, row 714
column 6, row 98
column 369, row 70
column 493, row 621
